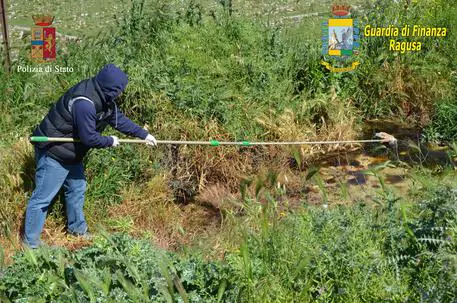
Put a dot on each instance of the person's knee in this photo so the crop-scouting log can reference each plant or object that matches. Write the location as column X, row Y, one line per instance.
column 79, row 188
column 39, row 202
column 75, row 187
column 74, row 194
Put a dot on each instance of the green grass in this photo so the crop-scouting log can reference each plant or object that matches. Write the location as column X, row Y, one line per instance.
column 217, row 76
column 198, row 73
column 394, row 252
column 74, row 18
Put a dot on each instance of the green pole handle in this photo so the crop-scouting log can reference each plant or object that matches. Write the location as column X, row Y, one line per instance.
column 47, row 139
column 214, row 143
column 39, row 139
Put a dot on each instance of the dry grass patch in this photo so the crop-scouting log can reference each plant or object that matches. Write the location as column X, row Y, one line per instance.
column 152, row 211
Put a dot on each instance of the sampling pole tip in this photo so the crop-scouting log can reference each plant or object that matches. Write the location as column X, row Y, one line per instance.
column 386, row 137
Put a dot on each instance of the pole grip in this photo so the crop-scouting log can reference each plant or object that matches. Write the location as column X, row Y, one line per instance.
column 39, row 139
column 52, row 139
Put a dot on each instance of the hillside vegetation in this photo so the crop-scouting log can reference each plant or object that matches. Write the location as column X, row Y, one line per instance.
column 221, row 224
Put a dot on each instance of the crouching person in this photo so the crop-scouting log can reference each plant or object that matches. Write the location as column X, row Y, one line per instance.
column 82, row 113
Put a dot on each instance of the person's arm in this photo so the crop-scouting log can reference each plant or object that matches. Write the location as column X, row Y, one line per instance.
column 126, row 126
column 84, row 117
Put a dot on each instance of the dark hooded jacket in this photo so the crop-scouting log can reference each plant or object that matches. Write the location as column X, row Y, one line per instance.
column 101, row 90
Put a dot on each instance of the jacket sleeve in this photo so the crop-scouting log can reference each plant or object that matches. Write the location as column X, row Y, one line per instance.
column 84, row 117
column 126, row 126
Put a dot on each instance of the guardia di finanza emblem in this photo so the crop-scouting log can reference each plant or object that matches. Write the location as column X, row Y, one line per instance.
column 340, row 36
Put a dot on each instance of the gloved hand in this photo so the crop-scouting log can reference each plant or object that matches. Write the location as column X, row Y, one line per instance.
column 150, row 140
column 115, row 141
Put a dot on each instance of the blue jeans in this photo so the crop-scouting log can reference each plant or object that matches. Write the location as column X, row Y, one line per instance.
column 49, row 177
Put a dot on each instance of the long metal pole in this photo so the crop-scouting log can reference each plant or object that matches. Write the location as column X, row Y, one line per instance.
column 6, row 44
column 385, row 138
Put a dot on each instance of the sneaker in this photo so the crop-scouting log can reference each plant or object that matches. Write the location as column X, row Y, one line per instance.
column 25, row 244
column 86, row 236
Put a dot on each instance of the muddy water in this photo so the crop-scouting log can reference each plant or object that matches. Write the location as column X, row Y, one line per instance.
column 362, row 174
column 409, row 149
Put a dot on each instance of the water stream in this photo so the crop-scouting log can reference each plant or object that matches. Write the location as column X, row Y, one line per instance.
column 360, row 174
